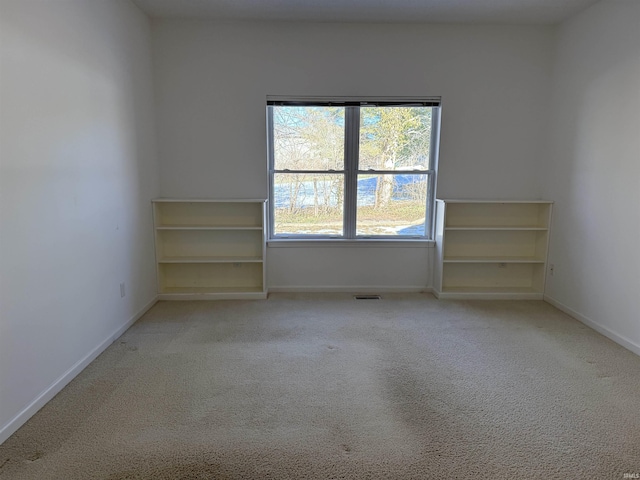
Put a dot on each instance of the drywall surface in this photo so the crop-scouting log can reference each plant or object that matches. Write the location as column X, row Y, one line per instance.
column 77, row 172
column 212, row 80
column 358, row 268
column 594, row 168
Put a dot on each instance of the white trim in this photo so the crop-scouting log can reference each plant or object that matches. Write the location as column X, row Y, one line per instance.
column 365, row 289
column 213, row 296
column 358, row 243
column 506, row 200
column 41, row 400
column 487, row 296
column 209, row 200
column 619, row 339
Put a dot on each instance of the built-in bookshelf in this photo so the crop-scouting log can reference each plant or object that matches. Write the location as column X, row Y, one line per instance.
column 210, row 249
column 491, row 249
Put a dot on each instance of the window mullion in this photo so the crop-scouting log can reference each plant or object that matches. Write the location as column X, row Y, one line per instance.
column 351, row 151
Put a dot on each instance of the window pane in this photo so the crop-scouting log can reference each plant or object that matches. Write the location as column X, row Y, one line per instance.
column 308, row 138
column 395, row 138
column 392, row 204
column 308, row 204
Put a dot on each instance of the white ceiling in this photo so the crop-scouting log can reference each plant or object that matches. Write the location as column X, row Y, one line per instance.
column 539, row 12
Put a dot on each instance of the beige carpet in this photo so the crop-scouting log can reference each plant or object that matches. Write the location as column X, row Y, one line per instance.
column 327, row 387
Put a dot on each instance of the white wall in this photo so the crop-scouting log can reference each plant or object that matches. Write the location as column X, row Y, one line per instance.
column 594, row 169
column 213, row 79
column 77, row 172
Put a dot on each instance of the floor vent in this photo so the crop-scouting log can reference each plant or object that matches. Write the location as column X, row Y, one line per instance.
column 367, row 297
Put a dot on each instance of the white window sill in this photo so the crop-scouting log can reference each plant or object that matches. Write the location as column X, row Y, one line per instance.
column 340, row 242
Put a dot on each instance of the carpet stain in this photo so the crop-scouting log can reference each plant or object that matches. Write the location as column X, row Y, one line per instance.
column 35, row 456
column 184, row 471
column 129, row 348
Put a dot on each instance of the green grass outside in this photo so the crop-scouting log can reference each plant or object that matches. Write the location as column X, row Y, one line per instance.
column 375, row 221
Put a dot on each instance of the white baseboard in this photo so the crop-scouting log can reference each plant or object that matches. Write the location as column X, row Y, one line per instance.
column 365, row 289
column 479, row 295
column 619, row 339
column 41, row 400
column 212, row 296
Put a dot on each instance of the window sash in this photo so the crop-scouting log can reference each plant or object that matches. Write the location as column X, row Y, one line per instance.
column 430, row 185
column 322, row 190
column 354, row 208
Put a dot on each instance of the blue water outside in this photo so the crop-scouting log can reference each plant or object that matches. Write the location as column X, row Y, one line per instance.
column 366, row 192
column 413, row 230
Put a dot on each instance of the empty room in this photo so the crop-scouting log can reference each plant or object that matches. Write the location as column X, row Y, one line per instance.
column 318, row 240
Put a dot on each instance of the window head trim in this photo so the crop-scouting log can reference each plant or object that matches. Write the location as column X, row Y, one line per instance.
column 275, row 100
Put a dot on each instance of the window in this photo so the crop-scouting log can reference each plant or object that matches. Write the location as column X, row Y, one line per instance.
column 352, row 169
